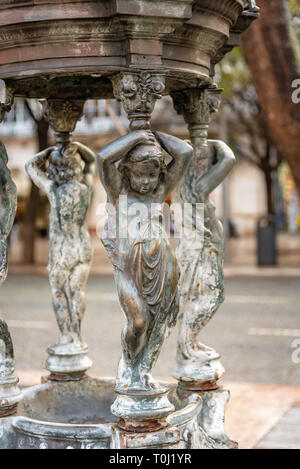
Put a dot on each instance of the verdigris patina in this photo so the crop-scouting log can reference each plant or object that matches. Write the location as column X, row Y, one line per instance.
column 201, row 262
column 10, row 394
column 145, row 267
column 65, row 173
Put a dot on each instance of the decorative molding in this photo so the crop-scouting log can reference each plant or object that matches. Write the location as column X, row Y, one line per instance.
column 197, row 107
column 138, row 92
column 228, row 9
column 63, row 114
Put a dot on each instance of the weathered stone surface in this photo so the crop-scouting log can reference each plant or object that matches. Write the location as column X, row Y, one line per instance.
column 65, row 173
column 9, row 391
column 180, row 37
column 138, row 92
column 200, row 252
column 68, row 51
column 146, row 270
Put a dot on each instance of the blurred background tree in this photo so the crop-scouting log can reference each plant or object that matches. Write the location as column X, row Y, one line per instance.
column 271, row 49
column 263, row 122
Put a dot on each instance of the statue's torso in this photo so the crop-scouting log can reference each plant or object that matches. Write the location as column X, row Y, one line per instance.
column 69, row 237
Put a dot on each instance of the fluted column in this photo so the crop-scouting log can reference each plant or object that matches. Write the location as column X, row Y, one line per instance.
column 65, row 173
column 10, row 394
column 202, row 285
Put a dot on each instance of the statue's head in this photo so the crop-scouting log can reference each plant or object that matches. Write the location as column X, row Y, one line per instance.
column 143, row 168
column 65, row 165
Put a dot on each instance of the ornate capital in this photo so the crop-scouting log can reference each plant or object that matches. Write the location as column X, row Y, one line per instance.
column 6, row 99
column 138, row 91
column 63, row 114
column 197, row 107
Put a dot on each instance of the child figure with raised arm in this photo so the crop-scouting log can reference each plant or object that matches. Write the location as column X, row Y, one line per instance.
column 66, row 175
column 146, row 269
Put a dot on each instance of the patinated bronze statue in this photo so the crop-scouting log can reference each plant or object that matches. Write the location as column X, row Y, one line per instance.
column 146, row 270
column 202, row 283
column 9, row 391
column 8, row 206
column 65, row 173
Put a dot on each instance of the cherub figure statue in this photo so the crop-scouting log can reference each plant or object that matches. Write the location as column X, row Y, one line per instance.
column 65, row 173
column 145, row 267
column 200, row 259
column 8, row 206
column 9, row 391
column 202, row 285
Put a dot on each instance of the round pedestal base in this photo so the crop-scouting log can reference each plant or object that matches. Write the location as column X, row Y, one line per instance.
column 142, row 412
column 68, row 361
column 10, row 395
column 200, row 374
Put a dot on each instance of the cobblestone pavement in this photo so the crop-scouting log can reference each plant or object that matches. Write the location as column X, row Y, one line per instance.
column 254, row 329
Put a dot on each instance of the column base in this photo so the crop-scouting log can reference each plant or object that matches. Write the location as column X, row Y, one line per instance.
column 68, row 361
column 200, row 374
column 142, row 412
column 10, row 394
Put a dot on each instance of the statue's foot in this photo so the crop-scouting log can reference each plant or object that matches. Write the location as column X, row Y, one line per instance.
column 68, row 344
column 199, row 374
column 198, row 352
column 68, row 356
column 143, row 384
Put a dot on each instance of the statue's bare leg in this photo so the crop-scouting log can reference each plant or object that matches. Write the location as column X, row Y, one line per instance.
column 197, row 363
column 58, row 278
column 77, row 283
column 135, row 332
column 200, row 310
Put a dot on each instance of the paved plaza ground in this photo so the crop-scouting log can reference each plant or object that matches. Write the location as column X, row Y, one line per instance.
column 254, row 330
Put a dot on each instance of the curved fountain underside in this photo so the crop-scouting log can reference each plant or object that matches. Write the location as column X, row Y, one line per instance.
column 69, row 48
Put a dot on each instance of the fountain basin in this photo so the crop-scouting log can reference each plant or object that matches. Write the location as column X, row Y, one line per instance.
column 76, row 415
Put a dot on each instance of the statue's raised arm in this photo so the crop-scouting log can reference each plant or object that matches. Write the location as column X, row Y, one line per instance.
column 181, row 152
column 36, row 169
column 110, row 155
column 218, row 172
column 88, row 157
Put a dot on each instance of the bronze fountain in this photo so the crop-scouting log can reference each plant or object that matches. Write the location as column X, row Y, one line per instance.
column 65, row 52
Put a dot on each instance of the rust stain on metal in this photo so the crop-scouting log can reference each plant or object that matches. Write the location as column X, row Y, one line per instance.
column 147, row 426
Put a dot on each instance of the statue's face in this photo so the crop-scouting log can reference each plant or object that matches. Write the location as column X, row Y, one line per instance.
column 143, row 176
